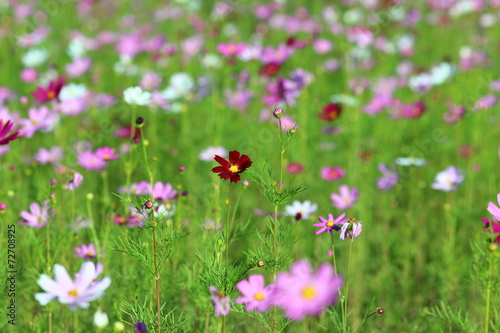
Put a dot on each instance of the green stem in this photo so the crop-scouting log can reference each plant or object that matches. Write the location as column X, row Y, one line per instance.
column 228, row 224
column 488, row 294
column 346, row 293
column 334, row 260
column 157, row 282
column 92, row 229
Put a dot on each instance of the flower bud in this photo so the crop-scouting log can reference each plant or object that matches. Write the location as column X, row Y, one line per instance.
column 90, row 196
column 149, row 204
column 380, row 311
column 493, row 247
column 182, row 168
column 3, row 206
column 140, row 327
column 139, row 121
column 292, row 131
column 260, row 263
column 278, row 113
column 118, row 327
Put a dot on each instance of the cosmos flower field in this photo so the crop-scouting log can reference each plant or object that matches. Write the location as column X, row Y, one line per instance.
column 249, row 166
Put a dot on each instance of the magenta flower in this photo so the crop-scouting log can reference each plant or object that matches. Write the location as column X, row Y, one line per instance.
column 351, row 229
column 281, row 91
column 85, row 251
column 255, row 294
column 332, row 174
column 346, row 197
column 230, row 49
column 107, row 153
column 5, row 128
column 221, row 302
column 77, row 293
column 494, row 209
column 43, row 95
column 38, row 215
column 75, row 182
column 91, row 161
column 389, row 178
column 414, row 110
column 492, row 227
column 330, row 224
column 303, row 292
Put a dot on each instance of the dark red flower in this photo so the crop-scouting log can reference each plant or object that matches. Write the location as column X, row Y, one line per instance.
column 4, row 131
column 43, row 95
column 492, row 227
column 231, row 169
column 270, row 69
column 330, row 112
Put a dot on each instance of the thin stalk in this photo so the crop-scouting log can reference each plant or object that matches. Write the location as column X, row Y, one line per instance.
column 228, row 224
column 346, row 293
column 92, row 229
column 157, row 283
column 488, row 294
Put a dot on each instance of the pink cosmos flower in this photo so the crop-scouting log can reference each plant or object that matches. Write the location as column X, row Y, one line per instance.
column 107, row 153
column 389, row 178
column 485, row 102
column 448, row 180
column 456, row 112
column 75, row 182
column 163, row 192
column 221, row 302
column 494, row 209
column 332, row 174
column 230, row 49
column 346, row 197
column 39, row 119
column 294, row 168
column 91, row 161
column 492, row 227
column 322, row 46
column 78, row 67
column 351, row 229
column 52, row 156
column 330, row 224
column 29, row 75
column 414, row 110
column 38, row 216
column 277, row 55
column 76, row 293
column 255, row 294
column 281, row 90
column 5, row 128
column 304, row 292
column 85, row 251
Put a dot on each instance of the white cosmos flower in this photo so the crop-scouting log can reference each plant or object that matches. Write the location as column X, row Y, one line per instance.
column 180, row 85
column 209, row 153
column 407, row 161
column 34, row 57
column 136, row 96
column 305, row 209
column 72, row 91
column 100, row 319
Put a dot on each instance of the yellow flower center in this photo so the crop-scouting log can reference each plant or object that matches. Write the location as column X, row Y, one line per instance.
column 330, row 224
column 89, row 254
column 73, row 293
column 51, row 95
column 259, row 296
column 234, row 168
column 308, row 292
